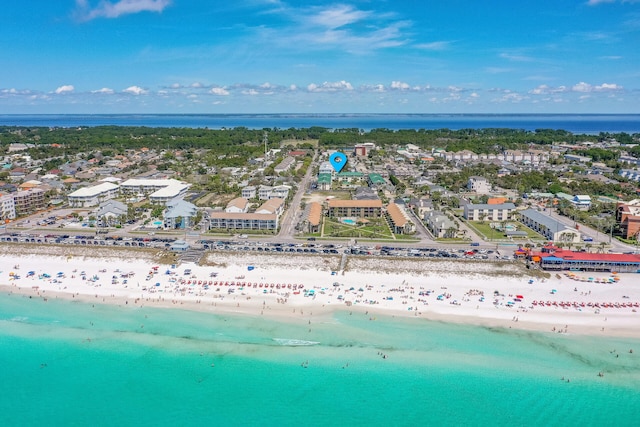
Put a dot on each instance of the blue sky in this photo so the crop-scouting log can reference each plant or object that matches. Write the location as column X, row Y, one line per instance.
column 270, row 56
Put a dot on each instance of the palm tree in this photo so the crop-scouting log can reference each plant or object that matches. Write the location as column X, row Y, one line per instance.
column 602, row 246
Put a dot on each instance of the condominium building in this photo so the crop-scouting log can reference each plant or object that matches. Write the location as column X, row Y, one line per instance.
column 7, row 207
column 490, row 212
column 93, row 196
column 242, row 221
column 29, row 201
column 355, row 208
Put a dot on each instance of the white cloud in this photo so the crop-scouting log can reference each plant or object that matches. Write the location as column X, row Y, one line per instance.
column 399, row 85
column 516, row 57
column 220, row 91
column 598, row 2
column 135, row 90
column 608, row 87
column 338, row 16
column 605, row 87
column 330, row 87
column 104, row 90
column 64, row 89
column 512, row 97
column 546, row 90
column 336, row 27
column 439, row 45
column 108, row 9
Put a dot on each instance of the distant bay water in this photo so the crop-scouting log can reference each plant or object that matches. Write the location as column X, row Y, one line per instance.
column 575, row 123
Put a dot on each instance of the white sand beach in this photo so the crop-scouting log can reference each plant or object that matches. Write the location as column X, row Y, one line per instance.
column 304, row 288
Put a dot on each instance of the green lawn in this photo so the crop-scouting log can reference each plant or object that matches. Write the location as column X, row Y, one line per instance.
column 485, row 229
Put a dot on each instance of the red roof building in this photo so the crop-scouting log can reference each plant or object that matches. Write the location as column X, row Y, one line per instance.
column 553, row 258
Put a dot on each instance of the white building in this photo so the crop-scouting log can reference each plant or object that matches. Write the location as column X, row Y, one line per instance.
column 242, row 221
column 440, row 225
column 249, row 192
column 93, row 196
column 325, row 167
column 481, row 212
column 7, row 207
column 237, row 205
column 159, row 191
column 550, row 228
column 581, row 201
column 271, row 206
column 280, row 192
column 264, row 192
column 479, row 184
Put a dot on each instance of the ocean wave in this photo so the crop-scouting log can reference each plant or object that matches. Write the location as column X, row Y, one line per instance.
column 294, row 342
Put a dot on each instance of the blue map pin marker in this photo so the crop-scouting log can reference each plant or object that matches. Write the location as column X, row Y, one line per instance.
column 338, row 160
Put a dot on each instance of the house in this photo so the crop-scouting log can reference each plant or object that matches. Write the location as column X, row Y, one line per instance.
column 237, row 205
column 481, row 212
column 582, row 202
column 375, row 180
column 249, row 192
column 280, row 192
column 325, row 167
column 398, row 219
column 271, row 206
column 347, row 179
column 365, row 193
column 285, row 165
column 423, row 205
column 549, row 227
column 109, row 212
column 179, row 214
column 479, row 185
column 440, row 225
column 264, row 191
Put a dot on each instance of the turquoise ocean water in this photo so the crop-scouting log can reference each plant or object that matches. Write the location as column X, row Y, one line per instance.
column 67, row 363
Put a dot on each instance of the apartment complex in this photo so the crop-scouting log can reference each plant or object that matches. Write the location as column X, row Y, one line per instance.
column 355, row 208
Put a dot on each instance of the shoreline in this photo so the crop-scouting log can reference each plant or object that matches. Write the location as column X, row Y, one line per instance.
column 302, row 289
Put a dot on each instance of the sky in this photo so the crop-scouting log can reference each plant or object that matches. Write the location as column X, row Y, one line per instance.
column 290, row 56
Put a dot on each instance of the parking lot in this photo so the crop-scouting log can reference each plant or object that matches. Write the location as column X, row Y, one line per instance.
column 88, row 240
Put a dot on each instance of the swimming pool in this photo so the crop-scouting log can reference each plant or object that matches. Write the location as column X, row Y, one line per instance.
column 349, row 221
column 158, row 223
